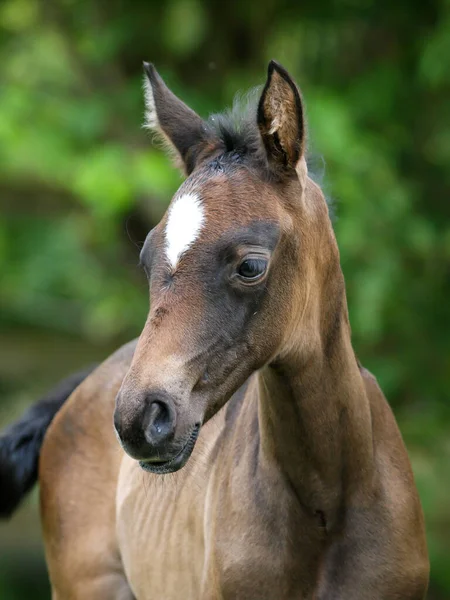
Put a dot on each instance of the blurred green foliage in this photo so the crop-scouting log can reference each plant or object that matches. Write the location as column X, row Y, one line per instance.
column 80, row 183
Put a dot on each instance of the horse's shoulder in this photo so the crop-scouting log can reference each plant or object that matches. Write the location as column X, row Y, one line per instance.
column 95, row 394
column 79, row 467
column 83, row 426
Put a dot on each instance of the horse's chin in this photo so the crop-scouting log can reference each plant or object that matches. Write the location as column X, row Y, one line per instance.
column 175, row 463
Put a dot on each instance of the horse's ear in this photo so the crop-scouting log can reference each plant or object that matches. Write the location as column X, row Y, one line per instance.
column 281, row 120
column 176, row 123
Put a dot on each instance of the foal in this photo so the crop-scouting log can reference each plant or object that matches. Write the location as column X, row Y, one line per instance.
column 290, row 478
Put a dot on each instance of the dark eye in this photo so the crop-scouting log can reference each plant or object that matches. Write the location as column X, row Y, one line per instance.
column 252, row 269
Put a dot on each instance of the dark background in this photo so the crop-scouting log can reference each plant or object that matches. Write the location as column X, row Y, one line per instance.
column 80, row 185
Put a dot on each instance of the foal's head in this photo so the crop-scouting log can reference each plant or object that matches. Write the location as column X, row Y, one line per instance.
column 238, row 268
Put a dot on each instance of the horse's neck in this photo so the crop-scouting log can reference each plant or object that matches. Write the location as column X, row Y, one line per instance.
column 315, row 425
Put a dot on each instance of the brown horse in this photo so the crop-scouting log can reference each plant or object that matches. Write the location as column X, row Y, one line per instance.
column 257, row 458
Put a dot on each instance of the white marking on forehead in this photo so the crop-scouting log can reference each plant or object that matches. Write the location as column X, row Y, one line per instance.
column 186, row 217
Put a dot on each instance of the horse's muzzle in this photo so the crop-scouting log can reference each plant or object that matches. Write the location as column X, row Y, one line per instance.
column 161, row 467
column 146, row 427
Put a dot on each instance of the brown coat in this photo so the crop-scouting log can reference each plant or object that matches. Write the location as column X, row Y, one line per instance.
column 285, row 473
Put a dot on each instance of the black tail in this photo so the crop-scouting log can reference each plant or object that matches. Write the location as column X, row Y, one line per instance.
column 20, row 444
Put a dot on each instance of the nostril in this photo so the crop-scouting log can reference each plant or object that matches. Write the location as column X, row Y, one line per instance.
column 160, row 423
column 158, row 417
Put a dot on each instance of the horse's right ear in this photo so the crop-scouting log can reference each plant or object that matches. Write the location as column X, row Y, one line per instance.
column 167, row 116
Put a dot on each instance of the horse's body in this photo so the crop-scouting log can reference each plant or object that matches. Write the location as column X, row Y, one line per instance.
column 299, row 486
column 230, row 524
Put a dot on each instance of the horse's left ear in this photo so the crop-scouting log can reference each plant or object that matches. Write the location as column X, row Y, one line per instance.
column 167, row 116
column 281, row 120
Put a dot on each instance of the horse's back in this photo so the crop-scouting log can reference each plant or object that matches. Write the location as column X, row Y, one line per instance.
column 79, row 467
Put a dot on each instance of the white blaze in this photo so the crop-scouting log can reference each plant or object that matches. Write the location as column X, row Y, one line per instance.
column 186, row 217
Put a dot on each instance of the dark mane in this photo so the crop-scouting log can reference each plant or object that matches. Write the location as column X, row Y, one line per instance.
column 237, row 129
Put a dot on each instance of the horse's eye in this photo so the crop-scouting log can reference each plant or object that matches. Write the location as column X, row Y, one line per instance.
column 252, row 269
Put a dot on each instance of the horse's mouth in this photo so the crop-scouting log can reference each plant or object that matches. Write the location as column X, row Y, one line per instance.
column 175, row 463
